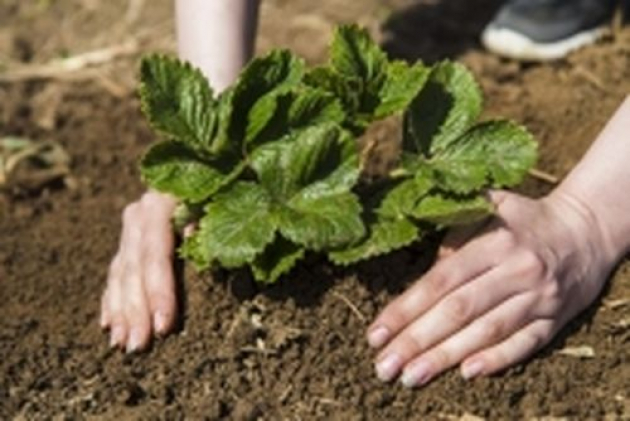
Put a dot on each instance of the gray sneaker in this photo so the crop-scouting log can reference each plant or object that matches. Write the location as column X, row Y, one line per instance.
column 543, row 30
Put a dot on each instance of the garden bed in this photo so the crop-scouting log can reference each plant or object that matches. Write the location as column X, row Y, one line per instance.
column 296, row 350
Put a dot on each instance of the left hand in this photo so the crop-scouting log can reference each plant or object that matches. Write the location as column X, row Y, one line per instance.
column 499, row 298
column 140, row 296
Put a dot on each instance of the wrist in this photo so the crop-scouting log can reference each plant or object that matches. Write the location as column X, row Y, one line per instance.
column 590, row 226
column 599, row 184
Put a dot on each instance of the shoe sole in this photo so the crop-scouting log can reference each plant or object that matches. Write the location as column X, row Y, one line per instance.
column 511, row 44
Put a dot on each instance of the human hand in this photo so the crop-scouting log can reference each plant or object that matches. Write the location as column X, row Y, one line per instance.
column 139, row 298
column 501, row 296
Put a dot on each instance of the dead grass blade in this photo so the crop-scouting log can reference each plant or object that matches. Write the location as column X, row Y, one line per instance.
column 67, row 67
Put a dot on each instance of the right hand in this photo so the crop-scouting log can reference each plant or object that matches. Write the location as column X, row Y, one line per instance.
column 498, row 298
column 140, row 297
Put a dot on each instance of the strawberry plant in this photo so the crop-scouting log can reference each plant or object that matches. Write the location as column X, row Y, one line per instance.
column 272, row 167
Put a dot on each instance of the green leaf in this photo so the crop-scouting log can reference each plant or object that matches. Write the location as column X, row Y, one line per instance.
column 321, row 154
column 301, row 108
column 177, row 100
column 354, row 54
column 222, row 145
column 402, row 199
column 449, row 104
column 309, row 175
column 173, row 167
column 496, row 154
column 366, row 83
column 238, row 225
column 279, row 258
column 322, row 222
column 389, row 227
column 260, row 116
column 312, row 107
column 276, row 73
column 280, row 69
column 347, row 89
column 461, row 174
column 510, row 151
column 193, row 251
column 385, row 236
column 448, row 211
column 401, row 87
column 363, row 68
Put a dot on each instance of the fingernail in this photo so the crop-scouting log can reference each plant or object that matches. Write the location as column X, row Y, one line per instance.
column 116, row 336
column 378, row 337
column 159, row 322
column 416, row 375
column 472, row 370
column 135, row 341
column 388, row 367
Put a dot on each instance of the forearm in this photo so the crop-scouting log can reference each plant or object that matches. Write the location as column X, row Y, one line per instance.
column 217, row 36
column 601, row 181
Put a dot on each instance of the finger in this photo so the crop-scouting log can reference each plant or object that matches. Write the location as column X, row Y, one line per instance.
column 512, row 350
column 114, row 305
column 458, row 236
column 136, row 312
column 483, row 333
column 159, row 277
column 447, row 275
column 160, row 290
column 451, row 315
column 133, row 300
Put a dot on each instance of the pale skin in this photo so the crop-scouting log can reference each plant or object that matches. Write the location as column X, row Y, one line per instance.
column 496, row 295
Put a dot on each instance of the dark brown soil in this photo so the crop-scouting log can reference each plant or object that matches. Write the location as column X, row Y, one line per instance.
column 295, row 351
